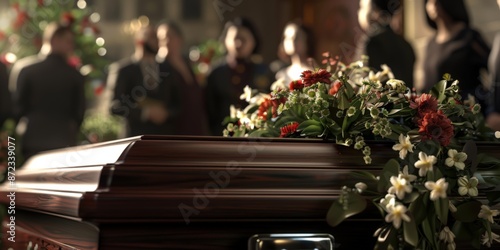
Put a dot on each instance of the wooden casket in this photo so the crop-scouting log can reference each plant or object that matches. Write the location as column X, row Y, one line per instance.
column 159, row 192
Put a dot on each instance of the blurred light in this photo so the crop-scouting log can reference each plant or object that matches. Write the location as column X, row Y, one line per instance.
column 100, row 41
column 95, row 17
column 203, row 68
column 144, row 21
column 81, row 4
column 194, row 54
column 86, row 69
column 102, row 51
column 43, row 24
column 10, row 57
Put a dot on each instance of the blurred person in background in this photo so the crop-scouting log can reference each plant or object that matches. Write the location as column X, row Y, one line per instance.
column 493, row 109
column 298, row 44
column 49, row 98
column 149, row 104
column 382, row 45
column 192, row 119
column 226, row 81
column 455, row 48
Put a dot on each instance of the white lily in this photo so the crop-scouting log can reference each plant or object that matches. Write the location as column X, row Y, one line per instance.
column 425, row 163
column 400, row 186
column 396, row 214
column 406, row 175
column 404, row 146
column 438, row 188
column 487, row 241
column 487, row 214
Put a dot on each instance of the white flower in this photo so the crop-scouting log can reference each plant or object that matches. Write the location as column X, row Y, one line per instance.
column 487, row 214
column 389, row 200
column 447, row 235
column 360, row 186
column 396, row 214
column 400, row 186
column 408, row 177
column 497, row 134
column 247, row 94
column 425, row 163
column 487, row 241
column 468, row 186
column 451, row 246
column 387, row 71
column 456, row 159
column 438, row 189
column 397, row 85
column 404, row 146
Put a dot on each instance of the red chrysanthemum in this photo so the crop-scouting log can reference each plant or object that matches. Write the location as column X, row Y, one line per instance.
column 264, row 108
column 298, row 84
column 335, row 88
column 424, row 104
column 436, row 126
column 309, row 78
column 289, row 129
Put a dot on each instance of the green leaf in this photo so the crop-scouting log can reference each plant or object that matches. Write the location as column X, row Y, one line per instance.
column 493, row 197
column 429, row 231
column 260, row 133
column 312, row 131
column 468, row 211
column 410, row 231
column 438, row 91
column 355, row 205
column 307, row 123
column 470, row 149
column 442, row 208
column 363, row 174
column 418, row 209
column 391, row 168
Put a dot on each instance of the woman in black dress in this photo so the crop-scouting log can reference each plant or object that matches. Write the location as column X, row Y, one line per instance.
column 455, row 48
column 226, row 81
column 192, row 119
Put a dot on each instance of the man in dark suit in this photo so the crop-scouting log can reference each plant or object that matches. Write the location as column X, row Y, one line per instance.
column 49, row 98
column 5, row 98
column 382, row 45
column 141, row 94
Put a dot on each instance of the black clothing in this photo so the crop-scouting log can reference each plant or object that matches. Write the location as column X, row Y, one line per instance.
column 383, row 46
column 193, row 118
column 5, row 97
column 494, row 69
column 50, row 95
column 225, row 86
column 136, row 86
column 462, row 57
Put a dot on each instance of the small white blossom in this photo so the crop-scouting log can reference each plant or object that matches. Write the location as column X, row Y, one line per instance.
column 400, row 186
column 397, row 85
column 447, row 235
column 438, row 188
column 387, row 71
column 456, row 159
column 497, row 134
column 404, row 146
column 487, row 241
column 388, row 200
column 247, row 94
column 425, row 163
column 468, row 186
column 406, row 175
column 487, row 214
column 360, row 186
column 396, row 214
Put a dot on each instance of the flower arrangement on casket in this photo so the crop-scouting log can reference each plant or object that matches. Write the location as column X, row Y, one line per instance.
column 432, row 192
